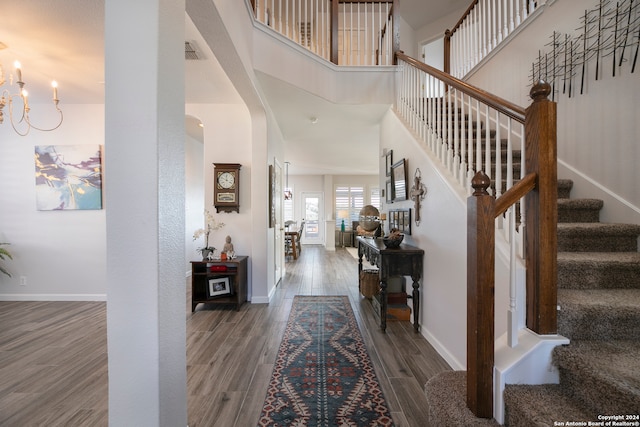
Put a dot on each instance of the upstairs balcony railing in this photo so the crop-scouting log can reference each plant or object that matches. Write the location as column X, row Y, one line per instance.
column 484, row 25
column 508, row 155
column 353, row 32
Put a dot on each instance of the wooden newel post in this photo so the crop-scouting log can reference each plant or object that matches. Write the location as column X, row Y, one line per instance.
column 335, row 6
column 480, row 297
column 396, row 28
column 447, row 51
column 541, row 214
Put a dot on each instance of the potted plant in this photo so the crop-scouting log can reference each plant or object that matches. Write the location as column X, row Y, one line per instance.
column 4, row 253
column 211, row 224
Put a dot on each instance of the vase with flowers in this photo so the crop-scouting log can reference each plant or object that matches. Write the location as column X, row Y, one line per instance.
column 211, row 224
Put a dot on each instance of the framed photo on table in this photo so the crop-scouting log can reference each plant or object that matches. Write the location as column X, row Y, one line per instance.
column 219, row 286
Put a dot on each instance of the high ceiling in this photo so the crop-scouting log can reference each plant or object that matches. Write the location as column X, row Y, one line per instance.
column 64, row 41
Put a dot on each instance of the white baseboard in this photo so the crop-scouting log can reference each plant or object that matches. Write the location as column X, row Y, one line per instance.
column 53, row 297
column 442, row 351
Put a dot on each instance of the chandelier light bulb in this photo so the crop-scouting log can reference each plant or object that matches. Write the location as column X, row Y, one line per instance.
column 18, row 68
column 54, row 85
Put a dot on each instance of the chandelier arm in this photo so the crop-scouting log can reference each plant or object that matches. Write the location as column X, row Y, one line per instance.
column 53, row 128
column 24, row 117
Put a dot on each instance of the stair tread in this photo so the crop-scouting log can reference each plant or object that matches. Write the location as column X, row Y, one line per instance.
column 605, row 366
column 551, row 404
column 612, row 299
column 599, row 228
column 600, row 258
column 580, row 203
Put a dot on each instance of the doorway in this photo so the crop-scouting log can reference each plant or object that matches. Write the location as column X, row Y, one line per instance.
column 278, row 225
column 312, row 212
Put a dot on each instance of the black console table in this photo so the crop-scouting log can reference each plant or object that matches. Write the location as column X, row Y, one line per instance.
column 402, row 261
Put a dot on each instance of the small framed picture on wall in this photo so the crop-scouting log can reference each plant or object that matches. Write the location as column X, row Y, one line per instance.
column 389, row 191
column 388, row 161
column 399, row 177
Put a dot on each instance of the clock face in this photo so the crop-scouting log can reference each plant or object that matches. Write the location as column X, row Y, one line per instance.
column 226, row 180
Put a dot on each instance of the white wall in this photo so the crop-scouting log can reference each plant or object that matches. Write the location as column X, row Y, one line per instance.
column 60, row 253
column 227, row 139
column 443, row 236
column 598, row 132
column 435, row 29
column 194, row 195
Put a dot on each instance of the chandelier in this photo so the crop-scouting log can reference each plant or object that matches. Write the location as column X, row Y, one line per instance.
column 18, row 103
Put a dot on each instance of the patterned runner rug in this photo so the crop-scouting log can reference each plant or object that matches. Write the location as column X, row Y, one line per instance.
column 323, row 375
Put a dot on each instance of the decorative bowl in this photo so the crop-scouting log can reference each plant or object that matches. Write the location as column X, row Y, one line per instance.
column 393, row 242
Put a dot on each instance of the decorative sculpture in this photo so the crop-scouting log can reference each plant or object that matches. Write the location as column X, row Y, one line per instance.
column 417, row 193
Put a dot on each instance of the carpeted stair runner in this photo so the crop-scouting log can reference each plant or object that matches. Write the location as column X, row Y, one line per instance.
column 599, row 311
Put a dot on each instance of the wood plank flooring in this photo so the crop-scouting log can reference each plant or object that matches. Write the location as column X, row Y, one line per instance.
column 53, row 355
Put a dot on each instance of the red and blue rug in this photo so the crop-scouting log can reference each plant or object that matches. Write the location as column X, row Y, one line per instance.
column 323, row 375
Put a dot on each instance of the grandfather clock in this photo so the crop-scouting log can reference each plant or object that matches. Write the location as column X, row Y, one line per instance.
column 226, row 187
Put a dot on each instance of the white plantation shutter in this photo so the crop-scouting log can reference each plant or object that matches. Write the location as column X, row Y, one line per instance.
column 350, row 199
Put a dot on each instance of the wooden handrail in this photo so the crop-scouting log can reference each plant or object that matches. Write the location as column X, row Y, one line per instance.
column 464, row 15
column 502, row 105
column 515, row 193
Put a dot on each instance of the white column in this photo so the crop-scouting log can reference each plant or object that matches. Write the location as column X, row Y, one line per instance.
column 144, row 200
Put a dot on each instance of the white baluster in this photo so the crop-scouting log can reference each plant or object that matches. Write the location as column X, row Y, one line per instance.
column 494, row 25
column 344, row 34
column 498, row 177
column 505, row 20
column 512, row 315
column 518, row 21
column 512, row 3
column 499, row 21
column 487, row 143
column 462, row 172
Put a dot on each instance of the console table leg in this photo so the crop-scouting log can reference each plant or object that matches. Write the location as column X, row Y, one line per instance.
column 416, row 305
column 383, row 305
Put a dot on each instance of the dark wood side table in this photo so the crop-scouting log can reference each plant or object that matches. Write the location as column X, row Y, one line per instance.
column 235, row 270
column 405, row 260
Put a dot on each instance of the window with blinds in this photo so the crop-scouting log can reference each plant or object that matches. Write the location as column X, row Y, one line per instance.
column 349, row 202
column 375, row 197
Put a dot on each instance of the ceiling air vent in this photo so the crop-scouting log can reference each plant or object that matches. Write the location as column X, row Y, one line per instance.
column 190, row 52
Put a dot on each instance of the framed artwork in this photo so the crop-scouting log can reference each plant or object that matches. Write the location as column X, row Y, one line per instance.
column 272, row 194
column 68, row 177
column 219, row 286
column 400, row 219
column 388, row 161
column 389, row 191
column 399, row 177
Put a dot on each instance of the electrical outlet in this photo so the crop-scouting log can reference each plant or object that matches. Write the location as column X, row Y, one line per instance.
column 23, row 280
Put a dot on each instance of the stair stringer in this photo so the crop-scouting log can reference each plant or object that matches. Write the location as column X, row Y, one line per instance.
column 527, row 363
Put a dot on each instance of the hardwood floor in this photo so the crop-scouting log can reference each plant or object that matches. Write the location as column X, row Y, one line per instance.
column 53, row 355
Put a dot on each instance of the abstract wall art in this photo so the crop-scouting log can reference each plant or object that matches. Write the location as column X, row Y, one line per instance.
column 68, row 177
